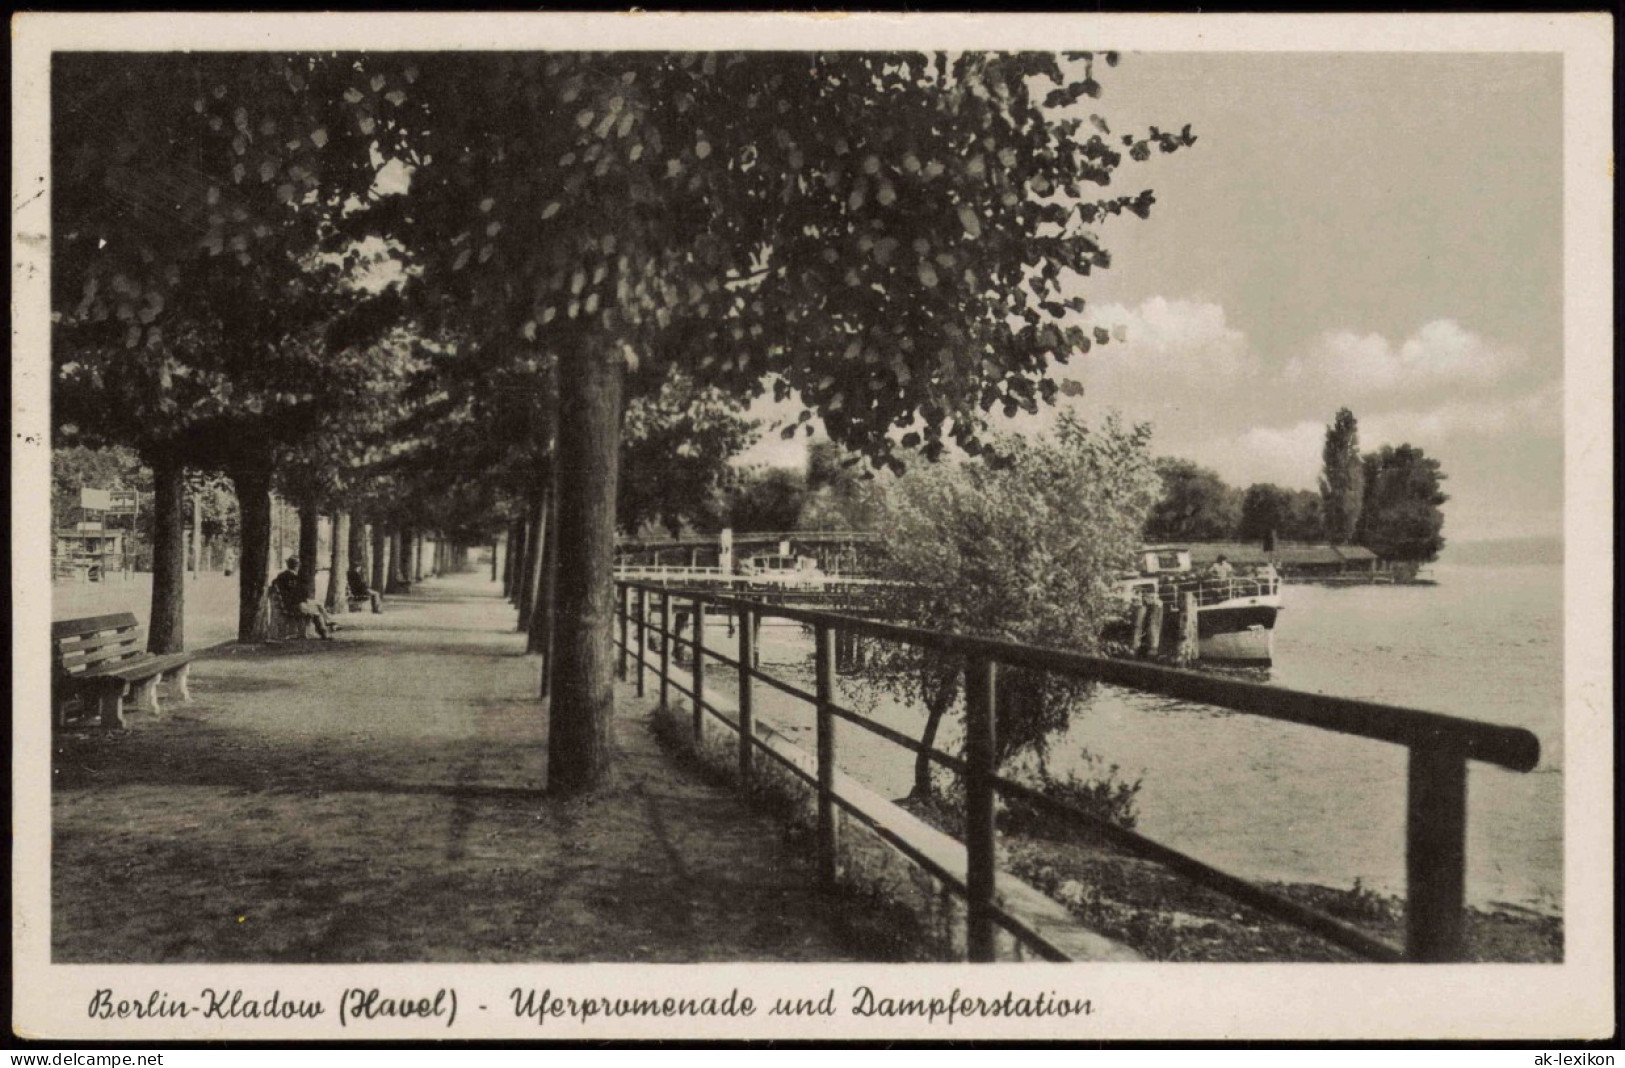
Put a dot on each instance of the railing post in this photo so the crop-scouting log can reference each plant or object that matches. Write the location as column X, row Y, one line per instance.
column 747, row 663
column 980, row 676
column 643, row 634
column 665, row 647
column 699, row 670
column 825, row 663
column 623, row 610
column 1435, row 855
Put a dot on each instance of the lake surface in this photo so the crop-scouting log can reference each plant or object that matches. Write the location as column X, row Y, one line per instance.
column 1276, row 801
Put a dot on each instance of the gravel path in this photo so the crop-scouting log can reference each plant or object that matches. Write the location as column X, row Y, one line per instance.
column 380, row 798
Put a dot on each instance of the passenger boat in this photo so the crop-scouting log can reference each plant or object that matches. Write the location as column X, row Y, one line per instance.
column 780, row 570
column 1235, row 614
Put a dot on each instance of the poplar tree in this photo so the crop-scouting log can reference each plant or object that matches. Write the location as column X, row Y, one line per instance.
column 1342, row 479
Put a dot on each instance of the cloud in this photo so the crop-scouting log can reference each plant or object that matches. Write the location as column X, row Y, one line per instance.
column 1537, row 414
column 1442, row 352
column 1161, row 340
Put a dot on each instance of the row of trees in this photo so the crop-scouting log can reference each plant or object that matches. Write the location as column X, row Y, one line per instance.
column 588, row 255
column 1386, row 500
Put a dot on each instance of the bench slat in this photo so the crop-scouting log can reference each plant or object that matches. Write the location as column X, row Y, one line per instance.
column 90, row 645
column 69, row 628
column 141, row 669
column 110, row 658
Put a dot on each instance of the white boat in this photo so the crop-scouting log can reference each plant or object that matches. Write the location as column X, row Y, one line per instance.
column 781, row 570
column 1235, row 614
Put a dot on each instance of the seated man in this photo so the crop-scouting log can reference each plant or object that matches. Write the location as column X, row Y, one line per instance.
column 360, row 591
column 289, row 593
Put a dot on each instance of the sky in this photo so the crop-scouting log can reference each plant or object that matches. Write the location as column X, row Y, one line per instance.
column 1381, row 232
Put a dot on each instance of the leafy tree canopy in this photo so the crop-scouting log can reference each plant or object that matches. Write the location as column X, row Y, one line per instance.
column 1400, row 517
column 1027, row 550
column 1195, row 504
column 887, row 235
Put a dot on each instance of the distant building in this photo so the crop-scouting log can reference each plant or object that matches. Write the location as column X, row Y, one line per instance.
column 87, row 552
column 1291, row 559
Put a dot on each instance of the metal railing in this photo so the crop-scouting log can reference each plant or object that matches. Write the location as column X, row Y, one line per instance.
column 1436, row 806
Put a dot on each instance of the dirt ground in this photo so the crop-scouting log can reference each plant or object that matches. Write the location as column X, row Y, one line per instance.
column 380, row 797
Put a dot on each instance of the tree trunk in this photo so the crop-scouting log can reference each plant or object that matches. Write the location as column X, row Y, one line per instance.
column 922, row 763
column 516, row 558
column 506, row 572
column 358, row 546
column 380, row 558
column 938, row 700
column 397, row 559
column 536, row 625
column 526, row 594
column 197, row 535
column 166, row 631
column 253, row 485
column 545, row 615
column 417, row 555
column 580, row 717
column 310, row 531
column 496, row 547
column 338, row 594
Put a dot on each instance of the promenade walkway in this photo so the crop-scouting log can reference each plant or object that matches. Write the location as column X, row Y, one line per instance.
column 380, row 798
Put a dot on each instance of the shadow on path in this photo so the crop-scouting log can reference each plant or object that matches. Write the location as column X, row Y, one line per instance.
column 381, row 797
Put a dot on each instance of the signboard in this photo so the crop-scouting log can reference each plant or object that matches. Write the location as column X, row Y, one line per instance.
column 96, row 500
column 123, row 502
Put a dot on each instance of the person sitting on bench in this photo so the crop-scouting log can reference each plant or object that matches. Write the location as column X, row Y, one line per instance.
column 360, row 591
column 288, row 589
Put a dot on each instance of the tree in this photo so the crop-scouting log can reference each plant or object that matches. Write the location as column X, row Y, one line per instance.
column 1341, row 478
column 890, row 236
column 841, row 494
column 76, row 467
column 676, row 444
column 766, row 499
column 1400, row 517
column 1265, row 509
column 1305, row 522
column 1026, row 549
column 198, row 299
column 1194, row 504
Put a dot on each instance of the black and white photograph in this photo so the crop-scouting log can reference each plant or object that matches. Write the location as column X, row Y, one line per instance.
column 725, row 526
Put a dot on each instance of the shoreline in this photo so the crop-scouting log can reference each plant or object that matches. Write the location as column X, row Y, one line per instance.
column 1169, row 919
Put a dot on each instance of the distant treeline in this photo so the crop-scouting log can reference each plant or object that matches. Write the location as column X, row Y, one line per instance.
column 1386, row 500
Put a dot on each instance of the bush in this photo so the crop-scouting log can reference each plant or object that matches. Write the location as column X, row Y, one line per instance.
column 1100, row 792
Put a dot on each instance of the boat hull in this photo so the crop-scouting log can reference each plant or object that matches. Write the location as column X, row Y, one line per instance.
column 1237, row 633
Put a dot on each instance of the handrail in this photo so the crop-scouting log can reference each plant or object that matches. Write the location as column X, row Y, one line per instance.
column 1439, row 745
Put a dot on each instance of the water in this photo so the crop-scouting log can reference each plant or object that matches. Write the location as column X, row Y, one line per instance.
column 1275, row 801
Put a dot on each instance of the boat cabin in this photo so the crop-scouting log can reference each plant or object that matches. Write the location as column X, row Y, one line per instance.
column 1163, row 560
column 778, row 564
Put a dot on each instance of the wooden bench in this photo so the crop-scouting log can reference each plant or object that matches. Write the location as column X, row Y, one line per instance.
column 101, row 658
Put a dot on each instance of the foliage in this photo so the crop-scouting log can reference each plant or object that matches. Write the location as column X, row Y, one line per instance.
column 191, row 298
column 1025, row 549
column 1305, row 519
column 675, row 448
column 1195, row 504
column 766, row 499
column 861, row 228
column 1341, row 478
column 77, row 467
column 1291, row 514
column 1101, row 792
column 1400, row 518
column 840, row 496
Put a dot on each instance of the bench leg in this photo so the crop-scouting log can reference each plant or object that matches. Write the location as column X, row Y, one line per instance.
column 146, row 696
column 180, row 680
column 111, row 704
